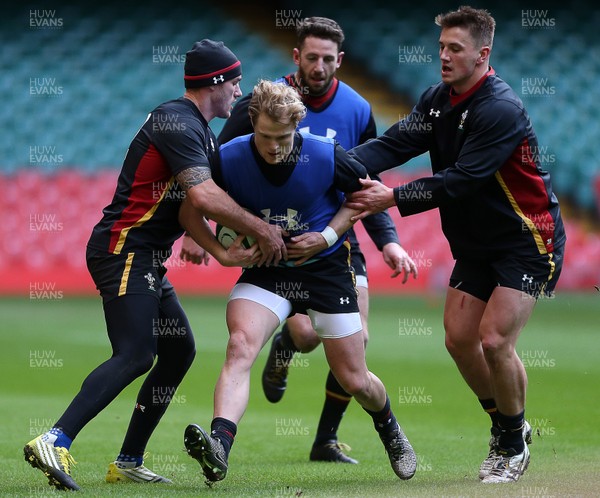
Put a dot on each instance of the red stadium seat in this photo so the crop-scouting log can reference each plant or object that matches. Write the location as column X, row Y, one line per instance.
column 51, row 217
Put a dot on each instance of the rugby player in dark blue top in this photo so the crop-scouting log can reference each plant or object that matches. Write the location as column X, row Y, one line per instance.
column 296, row 182
column 498, row 212
column 334, row 110
column 169, row 159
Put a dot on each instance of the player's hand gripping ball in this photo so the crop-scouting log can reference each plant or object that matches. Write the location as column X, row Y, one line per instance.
column 226, row 237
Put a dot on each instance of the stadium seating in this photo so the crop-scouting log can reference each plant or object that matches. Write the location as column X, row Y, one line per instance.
column 51, row 217
column 101, row 60
column 100, row 68
column 59, row 154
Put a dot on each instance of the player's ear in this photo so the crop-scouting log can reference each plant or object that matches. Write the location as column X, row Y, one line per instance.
column 339, row 59
column 296, row 56
column 484, row 54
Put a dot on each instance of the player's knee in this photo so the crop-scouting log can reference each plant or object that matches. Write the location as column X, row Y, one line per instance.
column 240, row 348
column 459, row 342
column 188, row 347
column 495, row 347
column 309, row 344
column 353, row 384
column 177, row 353
column 455, row 346
column 140, row 363
column 493, row 353
column 304, row 338
column 187, row 358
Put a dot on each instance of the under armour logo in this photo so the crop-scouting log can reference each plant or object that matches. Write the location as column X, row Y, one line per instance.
column 527, row 278
column 344, row 300
column 329, row 133
column 140, row 407
column 219, row 79
column 433, row 112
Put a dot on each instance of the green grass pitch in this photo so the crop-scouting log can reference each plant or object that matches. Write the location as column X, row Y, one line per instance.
column 48, row 346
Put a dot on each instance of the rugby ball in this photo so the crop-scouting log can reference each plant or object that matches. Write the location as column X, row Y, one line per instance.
column 226, row 236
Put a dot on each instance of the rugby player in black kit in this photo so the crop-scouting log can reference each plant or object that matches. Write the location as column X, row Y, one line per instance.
column 169, row 158
column 498, row 212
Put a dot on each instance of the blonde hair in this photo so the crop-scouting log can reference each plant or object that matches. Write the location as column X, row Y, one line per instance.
column 278, row 101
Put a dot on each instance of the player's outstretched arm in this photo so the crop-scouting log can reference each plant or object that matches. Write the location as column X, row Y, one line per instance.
column 199, row 230
column 373, row 198
column 211, row 200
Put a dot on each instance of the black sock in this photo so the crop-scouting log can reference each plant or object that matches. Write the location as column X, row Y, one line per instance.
column 336, row 402
column 224, row 430
column 384, row 420
column 511, row 431
column 489, row 405
column 287, row 343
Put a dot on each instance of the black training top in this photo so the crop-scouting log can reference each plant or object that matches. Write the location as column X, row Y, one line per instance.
column 143, row 214
column 487, row 181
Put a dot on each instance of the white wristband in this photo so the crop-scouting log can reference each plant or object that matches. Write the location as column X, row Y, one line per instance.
column 330, row 236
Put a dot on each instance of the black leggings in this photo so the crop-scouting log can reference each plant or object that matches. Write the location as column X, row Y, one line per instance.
column 140, row 328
